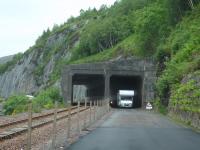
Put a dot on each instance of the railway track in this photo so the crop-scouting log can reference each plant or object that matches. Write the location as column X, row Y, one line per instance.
column 46, row 119
column 34, row 118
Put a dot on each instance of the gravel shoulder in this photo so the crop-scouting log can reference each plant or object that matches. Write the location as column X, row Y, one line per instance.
column 42, row 137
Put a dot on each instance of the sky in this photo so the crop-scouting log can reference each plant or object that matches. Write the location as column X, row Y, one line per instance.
column 22, row 21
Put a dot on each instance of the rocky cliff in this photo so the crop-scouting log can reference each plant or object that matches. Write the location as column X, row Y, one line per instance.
column 5, row 59
column 34, row 70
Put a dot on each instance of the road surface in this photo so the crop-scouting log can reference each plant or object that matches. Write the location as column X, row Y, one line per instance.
column 138, row 130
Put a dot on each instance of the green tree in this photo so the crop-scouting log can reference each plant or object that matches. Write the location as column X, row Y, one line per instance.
column 178, row 8
column 151, row 27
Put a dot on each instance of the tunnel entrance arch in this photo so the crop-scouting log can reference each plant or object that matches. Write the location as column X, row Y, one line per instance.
column 126, row 82
column 94, row 86
column 104, row 79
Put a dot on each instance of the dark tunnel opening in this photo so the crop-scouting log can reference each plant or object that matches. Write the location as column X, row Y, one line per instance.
column 126, row 83
column 95, row 87
column 94, row 83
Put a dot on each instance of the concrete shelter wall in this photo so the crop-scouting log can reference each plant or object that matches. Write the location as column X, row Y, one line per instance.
column 145, row 68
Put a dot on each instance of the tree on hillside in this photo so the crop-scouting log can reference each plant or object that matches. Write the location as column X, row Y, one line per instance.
column 104, row 34
column 151, row 27
column 177, row 8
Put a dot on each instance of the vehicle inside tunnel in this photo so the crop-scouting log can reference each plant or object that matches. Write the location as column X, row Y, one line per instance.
column 94, row 83
column 133, row 83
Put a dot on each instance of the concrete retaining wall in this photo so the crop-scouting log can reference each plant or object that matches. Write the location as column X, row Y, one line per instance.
column 189, row 118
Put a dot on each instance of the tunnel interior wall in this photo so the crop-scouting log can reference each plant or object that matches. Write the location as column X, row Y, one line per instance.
column 95, row 85
column 79, row 92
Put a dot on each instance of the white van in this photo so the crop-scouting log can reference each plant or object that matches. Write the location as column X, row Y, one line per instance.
column 125, row 98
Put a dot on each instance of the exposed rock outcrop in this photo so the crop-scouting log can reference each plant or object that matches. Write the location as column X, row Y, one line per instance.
column 34, row 69
column 5, row 59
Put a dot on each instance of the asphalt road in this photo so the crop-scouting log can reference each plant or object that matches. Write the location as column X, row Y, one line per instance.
column 138, row 130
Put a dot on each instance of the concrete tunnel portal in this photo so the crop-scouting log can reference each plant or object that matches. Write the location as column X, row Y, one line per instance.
column 104, row 80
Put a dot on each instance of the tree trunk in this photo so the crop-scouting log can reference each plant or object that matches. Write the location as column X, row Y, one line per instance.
column 111, row 43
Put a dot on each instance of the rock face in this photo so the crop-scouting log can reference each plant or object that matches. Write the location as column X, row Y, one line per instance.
column 5, row 59
column 1, row 109
column 32, row 72
column 19, row 79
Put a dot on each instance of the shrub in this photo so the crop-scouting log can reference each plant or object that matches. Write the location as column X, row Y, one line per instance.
column 1, row 100
column 44, row 100
column 15, row 104
column 186, row 96
column 160, row 107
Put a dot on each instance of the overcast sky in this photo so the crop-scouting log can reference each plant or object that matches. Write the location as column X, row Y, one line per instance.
column 22, row 21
